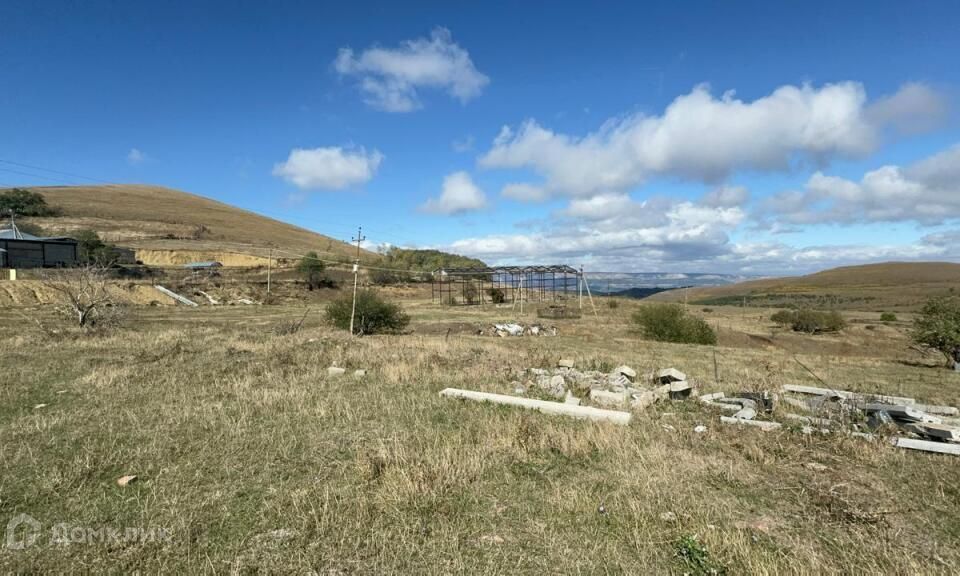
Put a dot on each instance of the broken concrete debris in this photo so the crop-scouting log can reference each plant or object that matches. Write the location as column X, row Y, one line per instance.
column 668, row 375
column 626, row 371
column 927, row 446
column 763, row 425
column 879, row 412
column 513, row 329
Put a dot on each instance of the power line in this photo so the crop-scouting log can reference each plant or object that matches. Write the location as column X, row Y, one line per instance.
column 57, row 180
column 52, row 171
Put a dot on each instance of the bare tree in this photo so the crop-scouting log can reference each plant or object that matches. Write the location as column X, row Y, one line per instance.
column 84, row 297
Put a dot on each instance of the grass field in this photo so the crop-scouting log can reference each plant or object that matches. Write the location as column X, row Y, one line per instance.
column 252, row 459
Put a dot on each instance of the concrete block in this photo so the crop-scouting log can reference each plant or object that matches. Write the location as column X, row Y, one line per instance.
column 626, row 371
column 604, row 398
column 765, row 426
column 565, row 363
column 902, row 413
column 556, row 408
column 927, row 446
column 668, row 375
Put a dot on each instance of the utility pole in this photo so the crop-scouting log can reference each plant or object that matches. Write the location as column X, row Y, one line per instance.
column 356, row 275
column 269, row 269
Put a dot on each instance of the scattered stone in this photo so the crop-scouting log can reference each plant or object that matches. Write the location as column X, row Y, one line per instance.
column 680, row 390
column 668, row 516
column 556, row 386
column 626, row 371
column 816, row 466
column 766, row 400
column 565, row 363
column 700, row 429
column 765, row 426
column 334, row 371
column 39, row 406
column 519, row 390
column 668, row 375
column 605, row 398
column 126, row 480
column 359, row 373
column 539, row 371
column 643, row 399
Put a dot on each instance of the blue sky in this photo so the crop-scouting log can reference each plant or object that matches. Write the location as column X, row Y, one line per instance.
column 757, row 137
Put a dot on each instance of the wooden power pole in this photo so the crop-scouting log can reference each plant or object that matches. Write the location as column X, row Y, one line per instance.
column 356, row 275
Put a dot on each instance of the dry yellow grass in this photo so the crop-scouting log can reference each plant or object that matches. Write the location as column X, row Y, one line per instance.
column 886, row 286
column 256, row 460
column 139, row 216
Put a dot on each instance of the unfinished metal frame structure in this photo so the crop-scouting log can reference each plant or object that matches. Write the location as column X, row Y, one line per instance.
column 471, row 286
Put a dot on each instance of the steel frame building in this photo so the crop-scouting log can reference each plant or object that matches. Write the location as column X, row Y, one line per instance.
column 472, row 286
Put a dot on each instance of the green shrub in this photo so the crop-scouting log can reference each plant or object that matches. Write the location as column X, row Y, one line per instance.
column 888, row 317
column 613, row 304
column 810, row 321
column 311, row 268
column 671, row 323
column 24, row 203
column 374, row 315
column 938, row 326
column 784, row 317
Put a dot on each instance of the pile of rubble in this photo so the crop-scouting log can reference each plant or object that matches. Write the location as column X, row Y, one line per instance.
column 924, row 427
column 505, row 330
column 616, row 389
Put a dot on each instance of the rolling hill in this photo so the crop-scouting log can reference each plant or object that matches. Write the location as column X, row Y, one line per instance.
column 170, row 227
column 884, row 286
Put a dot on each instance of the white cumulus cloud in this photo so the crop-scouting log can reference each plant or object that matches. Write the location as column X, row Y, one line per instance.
column 700, row 137
column 459, row 195
column 391, row 77
column 330, row 168
column 927, row 192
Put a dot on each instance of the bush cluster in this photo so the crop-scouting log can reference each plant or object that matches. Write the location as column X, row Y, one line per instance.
column 671, row 323
column 810, row 321
column 888, row 317
column 374, row 314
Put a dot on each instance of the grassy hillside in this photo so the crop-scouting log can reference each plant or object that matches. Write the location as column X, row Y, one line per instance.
column 885, row 286
column 168, row 226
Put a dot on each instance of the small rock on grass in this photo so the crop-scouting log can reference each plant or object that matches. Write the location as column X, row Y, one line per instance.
column 668, row 516
column 816, row 466
column 39, row 406
column 700, row 429
column 126, row 480
column 334, row 371
column 565, row 363
column 359, row 373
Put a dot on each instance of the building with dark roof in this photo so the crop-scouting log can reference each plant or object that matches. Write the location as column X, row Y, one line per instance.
column 21, row 250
